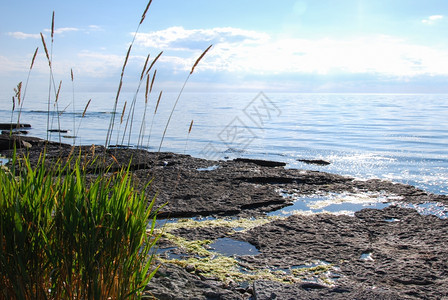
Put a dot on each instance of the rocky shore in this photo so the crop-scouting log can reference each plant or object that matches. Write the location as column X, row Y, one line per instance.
column 389, row 253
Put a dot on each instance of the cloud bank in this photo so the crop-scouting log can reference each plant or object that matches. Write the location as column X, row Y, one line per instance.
column 244, row 51
column 258, row 60
column 22, row 36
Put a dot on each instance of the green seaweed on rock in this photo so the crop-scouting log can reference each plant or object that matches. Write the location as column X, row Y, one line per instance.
column 210, row 264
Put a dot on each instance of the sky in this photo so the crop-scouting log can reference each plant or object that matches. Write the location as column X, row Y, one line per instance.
column 324, row 46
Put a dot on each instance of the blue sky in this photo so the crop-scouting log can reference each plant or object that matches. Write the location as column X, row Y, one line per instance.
column 397, row 46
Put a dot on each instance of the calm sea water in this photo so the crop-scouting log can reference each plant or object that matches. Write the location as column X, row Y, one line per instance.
column 403, row 138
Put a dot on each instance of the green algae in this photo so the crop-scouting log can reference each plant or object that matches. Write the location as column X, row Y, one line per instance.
column 192, row 247
column 243, row 223
column 228, row 269
column 316, row 270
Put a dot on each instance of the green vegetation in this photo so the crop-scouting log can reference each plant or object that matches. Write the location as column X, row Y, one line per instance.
column 66, row 234
column 230, row 269
column 65, row 237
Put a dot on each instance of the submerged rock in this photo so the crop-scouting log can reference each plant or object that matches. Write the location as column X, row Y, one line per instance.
column 319, row 162
column 11, row 126
column 261, row 162
column 15, row 132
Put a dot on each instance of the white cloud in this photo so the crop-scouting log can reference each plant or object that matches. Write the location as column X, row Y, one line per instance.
column 238, row 53
column 384, row 55
column 94, row 28
column 98, row 64
column 63, row 30
column 178, row 38
column 21, row 35
column 432, row 19
column 238, row 50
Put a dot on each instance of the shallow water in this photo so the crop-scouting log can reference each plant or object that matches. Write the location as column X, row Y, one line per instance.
column 336, row 203
column 3, row 161
column 401, row 138
column 211, row 168
column 349, row 203
column 231, row 247
column 429, row 208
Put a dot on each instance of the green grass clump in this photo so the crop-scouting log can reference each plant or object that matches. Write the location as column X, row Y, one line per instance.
column 63, row 236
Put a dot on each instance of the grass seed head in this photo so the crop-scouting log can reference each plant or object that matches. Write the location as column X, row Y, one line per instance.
column 199, row 59
column 52, row 26
column 152, row 81
column 144, row 13
column 45, row 48
column 122, row 113
column 144, row 67
column 191, row 125
column 153, row 62
column 85, row 109
column 34, row 58
column 158, row 101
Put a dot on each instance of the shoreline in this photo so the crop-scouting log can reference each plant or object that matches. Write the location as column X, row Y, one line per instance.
column 393, row 253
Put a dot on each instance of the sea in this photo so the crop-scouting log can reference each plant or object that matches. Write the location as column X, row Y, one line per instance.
column 397, row 137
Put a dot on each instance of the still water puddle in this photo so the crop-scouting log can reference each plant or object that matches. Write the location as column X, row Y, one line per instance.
column 231, row 247
column 429, row 208
column 348, row 203
column 367, row 256
column 211, row 168
column 336, row 203
column 3, row 161
column 319, row 272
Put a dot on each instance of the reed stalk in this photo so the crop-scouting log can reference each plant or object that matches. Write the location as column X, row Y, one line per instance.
column 180, row 93
column 73, row 106
column 188, row 136
column 152, row 120
column 82, row 116
column 121, row 120
column 49, row 56
column 130, row 118
column 143, row 123
column 26, row 86
column 112, row 120
column 18, row 96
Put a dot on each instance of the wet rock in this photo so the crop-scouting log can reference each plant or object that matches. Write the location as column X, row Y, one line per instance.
column 260, row 162
column 319, row 162
column 7, row 142
column 312, row 286
column 190, row 268
column 202, row 233
column 173, row 282
column 11, row 126
column 15, row 132
column 270, row 290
